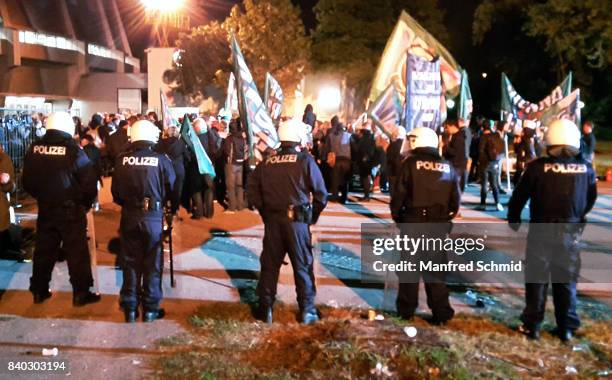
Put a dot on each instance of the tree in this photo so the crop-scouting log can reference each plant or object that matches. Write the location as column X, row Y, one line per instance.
column 271, row 36
column 351, row 35
column 574, row 35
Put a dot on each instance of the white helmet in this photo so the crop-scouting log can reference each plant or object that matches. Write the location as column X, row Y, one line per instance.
column 423, row 137
column 200, row 123
column 61, row 121
column 144, row 130
column 291, row 130
column 562, row 132
column 399, row 133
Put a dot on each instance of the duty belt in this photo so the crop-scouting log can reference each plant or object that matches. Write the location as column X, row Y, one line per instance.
column 147, row 204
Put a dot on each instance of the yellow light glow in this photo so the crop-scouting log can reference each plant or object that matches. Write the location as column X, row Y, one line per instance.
column 163, row 5
column 329, row 98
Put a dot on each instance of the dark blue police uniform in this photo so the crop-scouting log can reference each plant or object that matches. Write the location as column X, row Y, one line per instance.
column 142, row 181
column 278, row 187
column 562, row 191
column 58, row 174
column 427, row 191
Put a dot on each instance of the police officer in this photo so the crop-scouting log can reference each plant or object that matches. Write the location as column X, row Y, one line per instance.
column 427, row 191
column 562, row 190
column 281, row 188
column 58, row 174
column 142, row 182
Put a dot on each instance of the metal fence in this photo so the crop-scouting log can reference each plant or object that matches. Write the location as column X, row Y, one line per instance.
column 17, row 132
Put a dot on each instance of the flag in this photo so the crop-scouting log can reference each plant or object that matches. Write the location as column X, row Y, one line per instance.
column 273, row 97
column 261, row 132
column 386, row 110
column 409, row 35
column 231, row 100
column 424, row 104
column 566, row 108
column 513, row 103
column 465, row 99
column 167, row 119
column 205, row 166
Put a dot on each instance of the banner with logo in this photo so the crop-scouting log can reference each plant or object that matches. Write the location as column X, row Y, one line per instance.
column 566, row 108
column 188, row 134
column 261, row 131
column 422, row 107
column 409, row 36
column 386, row 111
column 273, row 97
column 513, row 103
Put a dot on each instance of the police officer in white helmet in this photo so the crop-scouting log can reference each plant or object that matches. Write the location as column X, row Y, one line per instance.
column 562, row 189
column 143, row 181
column 58, row 174
column 281, row 188
column 425, row 198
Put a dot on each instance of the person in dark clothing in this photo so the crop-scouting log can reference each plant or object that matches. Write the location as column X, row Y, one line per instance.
column 281, row 188
column 58, row 174
column 563, row 189
column 524, row 149
column 7, row 185
column 118, row 141
column 338, row 146
column 203, row 184
column 142, row 183
column 456, row 149
column 365, row 156
column 425, row 199
column 174, row 147
column 476, row 129
column 309, row 116
column 394, row 156
column 587, row 142
column 490, row 150
column 235, row 152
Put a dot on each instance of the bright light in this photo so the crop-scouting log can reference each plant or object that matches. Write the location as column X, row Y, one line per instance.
column 484, row 75
column 581, row 104
column 329, row 98
column 162, row 5
column 450, row 103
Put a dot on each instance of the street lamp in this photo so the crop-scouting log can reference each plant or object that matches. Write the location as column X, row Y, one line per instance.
column 163, row 15
column 484, row 75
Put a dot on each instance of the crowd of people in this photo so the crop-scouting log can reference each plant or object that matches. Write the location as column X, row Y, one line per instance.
column 425, row 171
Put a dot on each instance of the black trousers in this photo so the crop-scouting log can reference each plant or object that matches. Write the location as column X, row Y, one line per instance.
column 341, row 176
column 141, row 249
column 61, row 228
column 283, row 237
column 489, row 177
column 203, row 200
column 553, row 256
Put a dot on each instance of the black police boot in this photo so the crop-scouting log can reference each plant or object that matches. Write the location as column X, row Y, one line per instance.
column 130, row 315
column 530, row 333
column 264, row 313
column 84, row 298
column 151, row 315
column 565, row 335
column 310, row 316
column 41, row 297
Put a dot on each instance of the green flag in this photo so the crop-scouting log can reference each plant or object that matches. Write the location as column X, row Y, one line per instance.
column 465, row 99
column 205, row 166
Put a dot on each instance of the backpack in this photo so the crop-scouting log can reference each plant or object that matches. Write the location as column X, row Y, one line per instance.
column 495, row 147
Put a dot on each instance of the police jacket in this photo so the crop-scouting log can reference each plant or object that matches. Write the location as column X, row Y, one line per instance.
column 57, row 171
column 561, row 189
column 427, row 189
column 287, row 178
column 455, row 150
column 141, row 173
